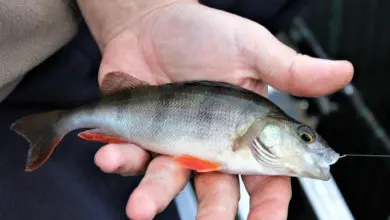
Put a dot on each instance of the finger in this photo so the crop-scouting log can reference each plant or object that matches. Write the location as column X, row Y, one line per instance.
column 163, row 180
column 218, row 195
column 269, row 196
column 124, row 159
column 286, row 70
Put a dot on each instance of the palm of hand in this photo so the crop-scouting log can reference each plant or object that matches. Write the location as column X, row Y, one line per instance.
column 189, row 42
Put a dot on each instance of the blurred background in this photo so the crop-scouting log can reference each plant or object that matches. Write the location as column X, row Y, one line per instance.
column 357, row 31
column 353, row 120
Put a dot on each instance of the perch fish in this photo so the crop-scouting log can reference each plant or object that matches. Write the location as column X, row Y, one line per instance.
column 203, row 125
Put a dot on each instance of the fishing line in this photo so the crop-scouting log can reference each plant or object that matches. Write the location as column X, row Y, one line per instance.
column 364, row 155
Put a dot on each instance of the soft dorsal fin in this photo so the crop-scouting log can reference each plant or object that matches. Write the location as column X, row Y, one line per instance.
column 115, row 82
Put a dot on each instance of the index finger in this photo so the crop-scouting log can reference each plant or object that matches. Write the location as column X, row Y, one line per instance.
column 269, row 196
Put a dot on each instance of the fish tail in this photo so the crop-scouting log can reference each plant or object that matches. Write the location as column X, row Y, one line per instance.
column 40, row 130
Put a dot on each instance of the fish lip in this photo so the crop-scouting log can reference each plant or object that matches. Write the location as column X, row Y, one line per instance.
column 323, row 176
column 320, row 170
column 322, row 173
column 334, row 157
column 325, row 157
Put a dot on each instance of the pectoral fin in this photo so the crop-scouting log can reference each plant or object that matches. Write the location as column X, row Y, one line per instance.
column 245, row 133
column 199, row 165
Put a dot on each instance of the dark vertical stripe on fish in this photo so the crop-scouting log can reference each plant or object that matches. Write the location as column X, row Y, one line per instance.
column 247, row 107
column 204, row 115
column 119, row 112
column 210, row 109
column 161, row 111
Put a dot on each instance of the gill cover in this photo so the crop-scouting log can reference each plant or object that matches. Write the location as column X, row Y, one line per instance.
column 292, row 148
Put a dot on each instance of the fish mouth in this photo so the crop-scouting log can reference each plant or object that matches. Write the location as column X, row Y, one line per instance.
column 325, row 176
column 319, row 173
column 320, row 169
column 333, row 157
column 316, row 172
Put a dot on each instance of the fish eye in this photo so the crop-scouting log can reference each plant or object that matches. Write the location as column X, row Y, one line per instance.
column 306, row 134
column 307, row 138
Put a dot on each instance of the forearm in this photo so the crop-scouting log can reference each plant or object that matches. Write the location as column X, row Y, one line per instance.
column 105, row 18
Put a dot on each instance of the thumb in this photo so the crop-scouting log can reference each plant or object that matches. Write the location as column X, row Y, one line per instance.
column 301, row 75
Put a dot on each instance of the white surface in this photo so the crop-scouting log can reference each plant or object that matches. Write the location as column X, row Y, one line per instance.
column 243, row 205
column 326, row 199
column 186, row 203
column 271, row 90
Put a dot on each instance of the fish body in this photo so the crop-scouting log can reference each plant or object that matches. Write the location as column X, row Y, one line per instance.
column 200, row 119
column 204, row 126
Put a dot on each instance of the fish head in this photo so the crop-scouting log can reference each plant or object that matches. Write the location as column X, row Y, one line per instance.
column 293, row 149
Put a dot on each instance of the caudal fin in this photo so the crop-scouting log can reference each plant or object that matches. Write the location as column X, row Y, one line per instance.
column 40, row 131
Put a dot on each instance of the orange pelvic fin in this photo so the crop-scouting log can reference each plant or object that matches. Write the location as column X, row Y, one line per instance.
column 98, row 135
column 199, row 165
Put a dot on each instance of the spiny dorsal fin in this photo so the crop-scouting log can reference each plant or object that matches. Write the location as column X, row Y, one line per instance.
column 115, row 82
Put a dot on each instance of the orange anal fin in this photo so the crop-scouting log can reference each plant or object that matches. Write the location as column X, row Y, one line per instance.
column 98, row 135
column 199, row 165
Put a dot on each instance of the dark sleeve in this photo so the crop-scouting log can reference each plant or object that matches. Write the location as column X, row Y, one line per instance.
column 273, row 14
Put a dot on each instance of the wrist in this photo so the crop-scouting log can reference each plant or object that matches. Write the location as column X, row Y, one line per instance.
column 106, row 19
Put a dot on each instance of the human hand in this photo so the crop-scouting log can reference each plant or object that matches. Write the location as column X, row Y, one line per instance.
column 184, row 40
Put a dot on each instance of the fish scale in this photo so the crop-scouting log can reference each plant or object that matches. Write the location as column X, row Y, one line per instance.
column 192, row 120
column 170, row 123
